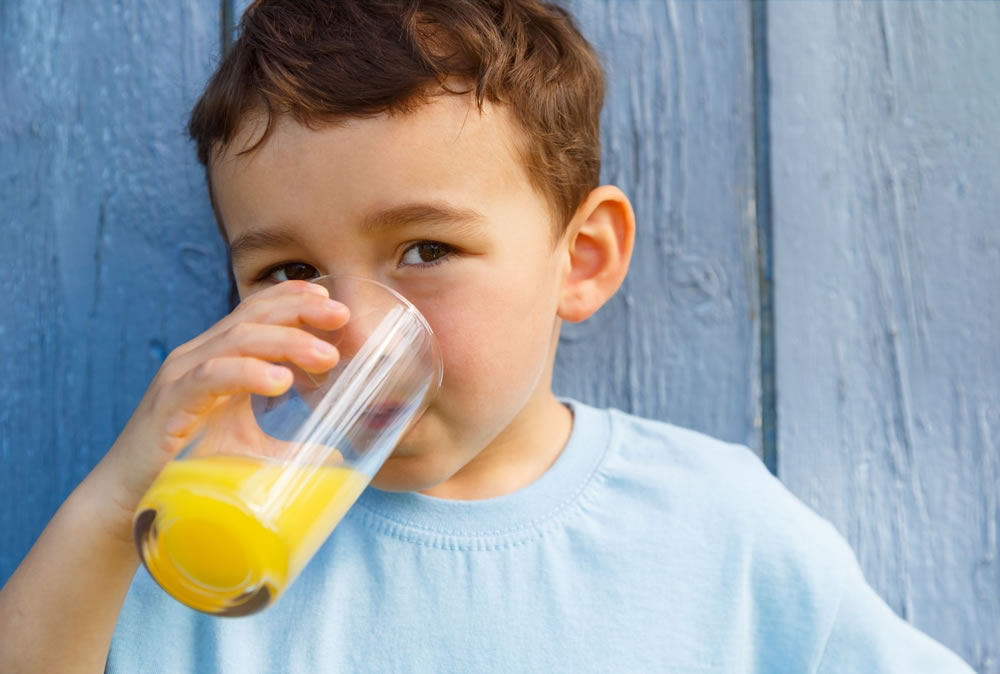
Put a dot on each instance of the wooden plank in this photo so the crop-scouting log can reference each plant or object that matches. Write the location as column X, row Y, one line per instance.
column 109, row 254
column 886, row 151
column 679, row 342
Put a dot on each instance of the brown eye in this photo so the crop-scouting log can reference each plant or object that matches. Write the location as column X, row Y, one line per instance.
column 299, row 272
column 425, row 252
column 292, row 271
column 431, row 251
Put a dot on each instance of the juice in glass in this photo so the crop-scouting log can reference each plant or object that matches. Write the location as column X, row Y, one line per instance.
column 227, row 534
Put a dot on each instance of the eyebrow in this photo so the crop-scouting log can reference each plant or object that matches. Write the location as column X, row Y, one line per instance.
column 408, row 215
column 261, row 239
column 397, row 217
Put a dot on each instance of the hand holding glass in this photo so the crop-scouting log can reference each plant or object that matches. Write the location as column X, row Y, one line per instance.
column 230, row 523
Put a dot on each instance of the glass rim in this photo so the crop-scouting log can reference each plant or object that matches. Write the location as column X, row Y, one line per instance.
column 437, row 356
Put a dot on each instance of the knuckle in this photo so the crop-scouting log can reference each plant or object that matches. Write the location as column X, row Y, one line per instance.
column 247, row 301
column 205, row 371
column 303, row 340
column 243, row 366
column 168, row 373
column 174, row 355
column 170, row 369
column 240, row 331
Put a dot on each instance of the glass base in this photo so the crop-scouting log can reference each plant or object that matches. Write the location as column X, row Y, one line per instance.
column 201, row 564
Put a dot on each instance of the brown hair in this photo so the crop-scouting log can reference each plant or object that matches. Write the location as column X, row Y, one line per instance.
column 319, row 60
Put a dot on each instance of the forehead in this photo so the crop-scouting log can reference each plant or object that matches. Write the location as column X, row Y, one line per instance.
column 444, row 151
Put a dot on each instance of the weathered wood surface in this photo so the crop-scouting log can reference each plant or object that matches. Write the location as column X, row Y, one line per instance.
column 109, row 254
column 885, row 142
column 679, row 342
column 884, row 147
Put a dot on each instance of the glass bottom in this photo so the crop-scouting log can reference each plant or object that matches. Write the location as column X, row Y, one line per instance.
column 203, row 564
column 226, row 535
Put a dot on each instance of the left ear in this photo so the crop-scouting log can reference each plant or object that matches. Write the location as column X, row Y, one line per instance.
column 598, row 245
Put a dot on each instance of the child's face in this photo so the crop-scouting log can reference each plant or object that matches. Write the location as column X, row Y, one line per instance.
column 436, row 205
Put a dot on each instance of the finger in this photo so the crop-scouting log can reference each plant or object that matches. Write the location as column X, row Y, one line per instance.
column 296, row 310
column 200, row 390
column 297, row 303
column 274, row 343
column 286, row 287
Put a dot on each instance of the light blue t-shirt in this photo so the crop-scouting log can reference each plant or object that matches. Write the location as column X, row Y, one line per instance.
column 645, row 548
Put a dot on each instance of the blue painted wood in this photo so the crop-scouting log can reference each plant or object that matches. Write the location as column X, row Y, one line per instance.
column 679, row 342
column 765, row 247
column 886, row 151
column 109, row 254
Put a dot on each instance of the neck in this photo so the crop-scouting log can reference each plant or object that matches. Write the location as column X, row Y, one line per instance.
column 521, row 454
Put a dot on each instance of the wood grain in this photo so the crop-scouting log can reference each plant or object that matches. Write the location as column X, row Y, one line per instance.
column 110, row 255
column 679, row 341
column 886, row 150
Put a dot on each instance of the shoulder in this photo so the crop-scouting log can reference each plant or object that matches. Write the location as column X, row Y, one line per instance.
column 651, row 442
column 719, row 504
column 717, row 482
column 698, row 471
column 788, row 567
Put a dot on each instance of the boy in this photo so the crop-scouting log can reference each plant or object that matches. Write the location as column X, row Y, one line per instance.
column 448, row 148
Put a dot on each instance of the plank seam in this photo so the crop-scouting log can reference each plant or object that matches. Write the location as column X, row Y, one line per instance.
column 227, row 25
column 764, row 222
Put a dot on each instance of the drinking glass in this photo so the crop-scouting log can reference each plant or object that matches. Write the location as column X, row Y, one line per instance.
column 229, row 523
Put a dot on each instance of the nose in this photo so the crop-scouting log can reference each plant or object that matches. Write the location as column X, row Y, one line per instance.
column 369, row 303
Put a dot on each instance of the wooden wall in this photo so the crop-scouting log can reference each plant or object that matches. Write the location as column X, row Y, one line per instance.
column 817, row 272
column 885, row 147
column 109, row 256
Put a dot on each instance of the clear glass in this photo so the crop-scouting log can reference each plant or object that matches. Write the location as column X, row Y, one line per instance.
column 230, row 523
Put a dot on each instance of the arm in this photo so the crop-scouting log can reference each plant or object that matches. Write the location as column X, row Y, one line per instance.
column 59, row 609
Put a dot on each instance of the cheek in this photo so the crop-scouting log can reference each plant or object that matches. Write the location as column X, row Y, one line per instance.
column 472, row 346
column 494, row 342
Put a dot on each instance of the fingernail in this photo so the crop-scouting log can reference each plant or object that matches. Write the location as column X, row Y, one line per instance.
column 323, row 348
column 278, row 373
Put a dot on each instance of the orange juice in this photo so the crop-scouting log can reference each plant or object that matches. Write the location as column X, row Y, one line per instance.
column 216, row 533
